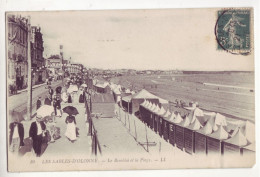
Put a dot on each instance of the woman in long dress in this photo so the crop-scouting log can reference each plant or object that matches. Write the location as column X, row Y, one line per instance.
column 71, row 128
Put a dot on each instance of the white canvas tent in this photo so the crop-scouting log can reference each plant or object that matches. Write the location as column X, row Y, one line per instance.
column 161, row 112
column 195, row 125
column 156, row 110
column 220, row 134
column 238, row 139
column 172, row 118
column 147, row 95
column 250, row 131
column 220, row 120
column 186, row 122
column 207, row 129
column 167, row 114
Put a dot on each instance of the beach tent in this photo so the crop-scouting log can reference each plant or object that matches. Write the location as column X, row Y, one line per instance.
column 189, row 135
column 146, row 104
column 176, row 118
column 156, row 110
column 220, row 120
column 186, row 121
column 167, row 114
column 161, row 111
column 220, row 134
column 250, row 131
column 214, row 141
column 126, row 103
column 144, row 94
column 195, row 125
column 238, row 139
column 160, row 122
column 233, row 125
column 212, row 122
column 179, row 130
column 172, row 117
column 143, row 103
column 207, row 129
column 152, row 107
column 166, row 124
column 249, row 150
column 235, row 144
column 156, row 117
column 144, row 112
column 200, row 138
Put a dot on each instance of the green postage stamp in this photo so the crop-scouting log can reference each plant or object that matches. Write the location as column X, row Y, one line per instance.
column 232, row 30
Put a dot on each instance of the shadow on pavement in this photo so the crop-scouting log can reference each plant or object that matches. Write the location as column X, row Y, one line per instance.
column 26, row 148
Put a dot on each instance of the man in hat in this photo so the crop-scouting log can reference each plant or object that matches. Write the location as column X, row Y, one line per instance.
column 36, row 132
column 38, row 103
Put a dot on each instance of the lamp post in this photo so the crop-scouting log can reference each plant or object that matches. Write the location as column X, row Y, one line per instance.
column 29, row 87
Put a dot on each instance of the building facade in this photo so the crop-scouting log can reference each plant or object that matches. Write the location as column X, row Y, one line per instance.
column 39, row 72
column 17, row 28
column 17, row 54
column 74, row 68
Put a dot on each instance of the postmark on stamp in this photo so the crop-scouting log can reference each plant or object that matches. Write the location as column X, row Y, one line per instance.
column 232, row 31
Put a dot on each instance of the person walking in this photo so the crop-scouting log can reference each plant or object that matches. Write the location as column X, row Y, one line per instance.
column 38, row 103
column 36, row 133
column 54, row 103
column 16, row 136
column 50, row 91
column 58, row 107
column 71, row 128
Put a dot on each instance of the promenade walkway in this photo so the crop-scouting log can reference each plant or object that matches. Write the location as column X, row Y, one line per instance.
column 63, row 147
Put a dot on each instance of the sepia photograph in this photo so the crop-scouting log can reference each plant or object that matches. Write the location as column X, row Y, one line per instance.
column 130, row 89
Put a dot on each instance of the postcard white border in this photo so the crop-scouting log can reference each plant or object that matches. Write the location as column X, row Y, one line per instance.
column 39, row 5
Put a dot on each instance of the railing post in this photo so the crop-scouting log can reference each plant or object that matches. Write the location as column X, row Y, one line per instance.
column 95, row 138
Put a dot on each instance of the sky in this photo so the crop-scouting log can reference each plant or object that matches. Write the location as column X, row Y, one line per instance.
column 180, row 39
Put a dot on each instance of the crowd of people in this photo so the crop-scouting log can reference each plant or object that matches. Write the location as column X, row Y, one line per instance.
column 44, row 129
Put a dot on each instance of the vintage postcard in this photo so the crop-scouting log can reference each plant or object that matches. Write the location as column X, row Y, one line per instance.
column 130, row 89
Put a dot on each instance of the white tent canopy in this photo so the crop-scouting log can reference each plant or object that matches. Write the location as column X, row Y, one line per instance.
column 195, row 125
column 207, row 129
column 167, row 114
column 147, row 95
column 186, row 121
column 172, row 117
column 178, row 119
column 250, row 131
column 162, row 111
column 156, row 110
column 152, row 107
column 238, row 139
column 220, row 120
column 220, row 134
column 127, row 98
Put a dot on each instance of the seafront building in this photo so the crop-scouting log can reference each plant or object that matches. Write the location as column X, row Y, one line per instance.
column 17, row 42
column 17, row 51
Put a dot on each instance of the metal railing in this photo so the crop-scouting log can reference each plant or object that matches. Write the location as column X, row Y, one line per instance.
column 96, row 148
